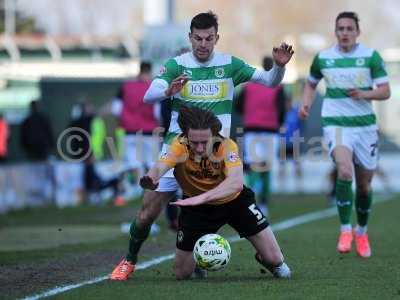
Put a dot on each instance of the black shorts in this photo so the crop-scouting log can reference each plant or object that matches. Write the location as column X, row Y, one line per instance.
column 242, row 214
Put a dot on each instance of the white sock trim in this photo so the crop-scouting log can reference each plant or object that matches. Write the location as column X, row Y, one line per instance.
column 345, row 227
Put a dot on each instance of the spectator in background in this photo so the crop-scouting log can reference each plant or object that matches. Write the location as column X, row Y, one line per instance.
column 81, row 117
column 4, row 136
column 36, row 135
column 288, row 147
column 138, row 119
column 263, row 110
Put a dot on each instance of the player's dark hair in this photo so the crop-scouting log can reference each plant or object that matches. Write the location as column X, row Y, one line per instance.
column 350, row 15
column 145, row 67
column 197, row 118
column 268, row 63
column 204, row 21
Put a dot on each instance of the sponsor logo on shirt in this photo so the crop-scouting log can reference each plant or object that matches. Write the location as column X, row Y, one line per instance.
column 330, row 62
column 208, row 90
column 233, row 157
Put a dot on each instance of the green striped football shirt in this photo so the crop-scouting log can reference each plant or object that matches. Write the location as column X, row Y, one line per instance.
column 210, row 86
column 361, row 69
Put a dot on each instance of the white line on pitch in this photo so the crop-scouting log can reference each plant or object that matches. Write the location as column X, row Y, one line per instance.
column 286, row 224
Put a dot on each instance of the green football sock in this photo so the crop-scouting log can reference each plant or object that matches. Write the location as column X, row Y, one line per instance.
column 255, row 183
column 138, row 234
column 344, row 198
column 266, row 186
column 363, row 207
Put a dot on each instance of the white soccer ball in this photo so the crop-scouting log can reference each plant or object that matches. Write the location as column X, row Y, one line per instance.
column 212, row 252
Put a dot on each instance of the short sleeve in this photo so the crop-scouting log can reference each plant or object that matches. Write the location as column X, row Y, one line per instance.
column 231, row 154
column 241, row 71
column 169, row 71
column 315, row 70
column 378, row 70
column 176, row 153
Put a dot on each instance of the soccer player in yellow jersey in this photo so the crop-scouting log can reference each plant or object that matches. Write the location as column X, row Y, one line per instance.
column 210, row 172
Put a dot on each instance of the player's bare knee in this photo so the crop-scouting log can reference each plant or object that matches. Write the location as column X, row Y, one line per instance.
column 345, row 172
column 363, row 189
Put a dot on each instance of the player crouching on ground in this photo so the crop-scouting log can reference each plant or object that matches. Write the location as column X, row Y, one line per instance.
column 209, row 170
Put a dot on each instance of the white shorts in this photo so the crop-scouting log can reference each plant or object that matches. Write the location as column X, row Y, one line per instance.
column 141, row 150
column 363, row 144
column 260, row 147
column 168, row 182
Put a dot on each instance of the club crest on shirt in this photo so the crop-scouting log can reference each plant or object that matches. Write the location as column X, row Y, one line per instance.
column 360, row 62
column 219, row 72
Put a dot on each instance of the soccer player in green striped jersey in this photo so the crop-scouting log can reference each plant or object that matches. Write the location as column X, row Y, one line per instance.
column 355, row 76
column 206, row 79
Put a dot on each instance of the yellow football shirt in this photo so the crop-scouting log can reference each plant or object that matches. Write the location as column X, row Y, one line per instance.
column 197, row 176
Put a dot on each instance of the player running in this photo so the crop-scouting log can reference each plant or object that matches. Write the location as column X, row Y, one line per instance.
column 354, row 76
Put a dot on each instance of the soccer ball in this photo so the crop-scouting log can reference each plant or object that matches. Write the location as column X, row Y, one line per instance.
column 212, row 252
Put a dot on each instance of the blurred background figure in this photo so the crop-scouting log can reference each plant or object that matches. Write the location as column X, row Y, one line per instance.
column 82, row 116
column 138, row 120
column 36, row 134
column 289, row 149
column 263, row 111
column 4, row 137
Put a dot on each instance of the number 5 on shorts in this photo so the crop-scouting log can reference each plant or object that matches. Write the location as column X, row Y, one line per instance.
column 254, row 209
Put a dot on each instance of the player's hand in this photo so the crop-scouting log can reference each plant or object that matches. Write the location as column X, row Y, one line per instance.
column 192, row 201
column 304, row 112
column 356, row 94
column 282, row 54
column 147, row 182
column 176, row 85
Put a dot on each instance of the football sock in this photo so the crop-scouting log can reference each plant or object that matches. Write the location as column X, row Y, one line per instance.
column 363, row 207
column 138, row 234
column 345, row 227
column 344, row 200
column 361, row 229
column 266, row 186
column 254, row 181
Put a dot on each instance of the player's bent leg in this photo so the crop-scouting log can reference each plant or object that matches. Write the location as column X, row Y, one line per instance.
column 269, row 254
column 184, row 264
column 153, row 203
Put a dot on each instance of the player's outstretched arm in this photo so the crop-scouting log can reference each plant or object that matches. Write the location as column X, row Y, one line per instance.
column 151, row 179
column 273, row 77
column 232, row 184
column 282, row 54
column 160, row 90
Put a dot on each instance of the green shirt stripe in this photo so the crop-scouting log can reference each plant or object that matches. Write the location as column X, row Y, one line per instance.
column 169, row 137
column 348, row 62
column 355, row 121
column 335, row 93
column 217, row 107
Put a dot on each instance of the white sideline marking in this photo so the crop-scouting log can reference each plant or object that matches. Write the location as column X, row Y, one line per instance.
column 286, row 224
